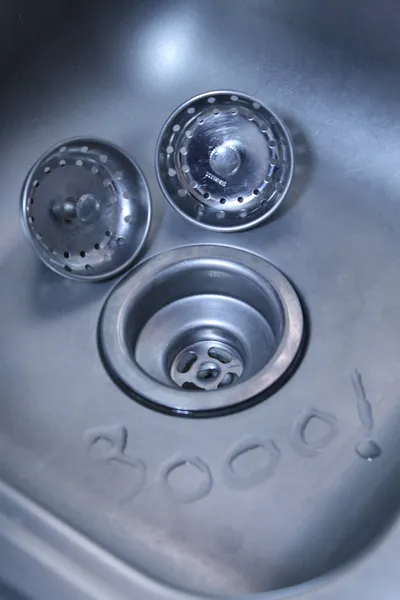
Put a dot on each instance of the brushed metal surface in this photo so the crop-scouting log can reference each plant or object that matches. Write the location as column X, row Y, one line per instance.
column 116, row 71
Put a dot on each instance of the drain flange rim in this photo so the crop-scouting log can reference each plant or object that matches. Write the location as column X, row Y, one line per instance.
column 117, row 356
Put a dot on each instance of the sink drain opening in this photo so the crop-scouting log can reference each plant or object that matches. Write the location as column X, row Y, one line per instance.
column 201, row 329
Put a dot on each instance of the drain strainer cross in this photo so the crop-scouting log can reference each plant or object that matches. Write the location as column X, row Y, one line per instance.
column 206, row 365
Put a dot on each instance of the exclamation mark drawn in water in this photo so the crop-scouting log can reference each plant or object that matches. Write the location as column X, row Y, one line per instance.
column 367, row 448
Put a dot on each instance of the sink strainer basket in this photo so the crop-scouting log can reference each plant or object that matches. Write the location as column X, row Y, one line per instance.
column 224, row 161
column 86, row 209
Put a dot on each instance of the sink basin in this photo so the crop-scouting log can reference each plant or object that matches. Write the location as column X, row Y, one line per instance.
column 103, row 495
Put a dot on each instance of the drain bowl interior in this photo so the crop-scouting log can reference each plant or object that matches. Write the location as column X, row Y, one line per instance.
column 219, row 321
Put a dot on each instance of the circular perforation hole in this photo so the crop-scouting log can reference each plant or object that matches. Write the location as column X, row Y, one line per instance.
column 176, row 128
column 67, row 268
column 62, row 163
column 243, row 214
column 256, row 105
column 240, row 199
column 234, row 110
column 256, row 192
column 103, row 158
column 182, row 193
column 185, row 168
column 215, row 112
column 89, row 269
column 206, row 195
column 84, row 149
column 79, row 163
column 170, row 149
column 223, row 200
column 63, row 149
column 82, row 253
column 191, row 110
column 119, row 175
column 97, row 246
column 220, row 214
column 211, row 100
column 47, row 170
column 234, row 98
column 67, row 254
column 171, row 172
column 94, row 170
column 36, row 183
column 183, row 150
column 128, row 219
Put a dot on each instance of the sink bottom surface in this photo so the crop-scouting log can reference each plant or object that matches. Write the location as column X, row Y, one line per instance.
column 195, row 504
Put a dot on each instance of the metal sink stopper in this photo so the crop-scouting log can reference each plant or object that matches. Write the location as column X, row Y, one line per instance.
column 201, row 330
column 86, row 209
column 224, row 161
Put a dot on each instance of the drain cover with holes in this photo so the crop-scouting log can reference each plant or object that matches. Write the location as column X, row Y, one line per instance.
column 225, row 161
column 86, row 209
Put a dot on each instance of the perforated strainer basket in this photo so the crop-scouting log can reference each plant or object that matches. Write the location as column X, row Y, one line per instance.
column 224, row 161
column 86, row 209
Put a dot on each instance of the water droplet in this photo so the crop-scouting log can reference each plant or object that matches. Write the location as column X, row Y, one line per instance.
column 368, row 449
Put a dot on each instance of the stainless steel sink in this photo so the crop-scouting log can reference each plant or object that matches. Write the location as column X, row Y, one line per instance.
column 103, row 496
